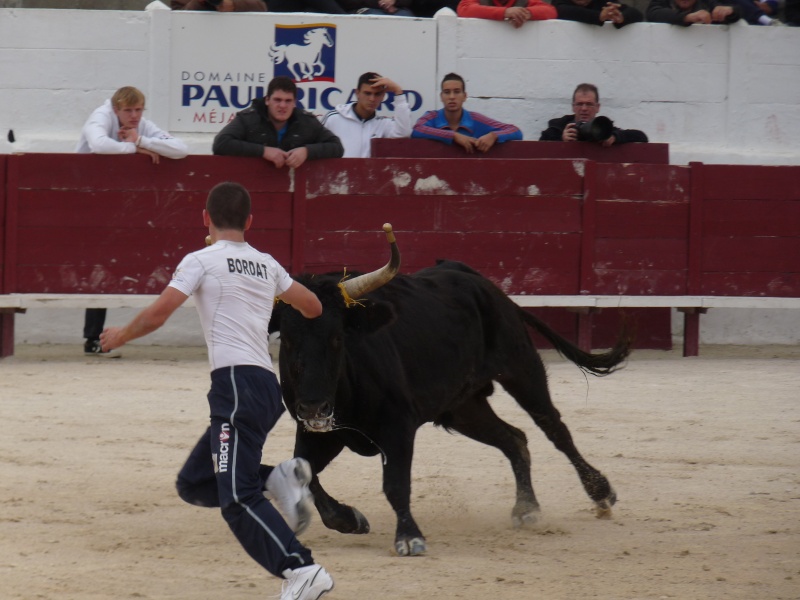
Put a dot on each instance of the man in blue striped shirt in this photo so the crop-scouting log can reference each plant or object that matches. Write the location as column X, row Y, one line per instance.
column 454, row 125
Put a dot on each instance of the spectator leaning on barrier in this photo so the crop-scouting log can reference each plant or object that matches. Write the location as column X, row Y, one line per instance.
column 317, row 6
column 392, row 8
column 274, row 129
column 118, row 127
column 220, row 5
column 428, row 8
column 597, row 12
column 688, row 12
column 357, row 123
column 514, row 11
column 586, row 104
column 452, row 124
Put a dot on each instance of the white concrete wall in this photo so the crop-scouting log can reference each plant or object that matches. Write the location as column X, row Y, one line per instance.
column 716, row 94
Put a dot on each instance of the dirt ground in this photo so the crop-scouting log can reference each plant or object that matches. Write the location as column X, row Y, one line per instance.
column 704, row 454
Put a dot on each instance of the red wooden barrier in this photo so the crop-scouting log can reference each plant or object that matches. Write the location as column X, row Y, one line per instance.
column 625, row 153
column 119, row 224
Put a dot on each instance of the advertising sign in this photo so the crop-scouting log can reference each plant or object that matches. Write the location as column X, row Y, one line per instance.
column 221, row 63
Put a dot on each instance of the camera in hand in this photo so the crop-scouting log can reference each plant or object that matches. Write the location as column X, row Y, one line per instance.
column 598, row 129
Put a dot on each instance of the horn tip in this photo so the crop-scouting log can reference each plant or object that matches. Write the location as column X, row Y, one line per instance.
column 387, row 227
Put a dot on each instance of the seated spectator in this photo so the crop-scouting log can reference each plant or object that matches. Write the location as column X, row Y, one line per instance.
column 330, row 7
column 393, row 8
column 757, row 12
column 428, row 8
column 514, row 11
column 792, row 11
column 118, row 127
column 688, row 12
column 452, row 124
column 597, row 12
column 586, row 104
column 274, row 129
column 220, row 5
column 357, row 123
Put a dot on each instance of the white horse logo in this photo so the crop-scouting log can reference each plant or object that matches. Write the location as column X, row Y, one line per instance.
column 304, row 62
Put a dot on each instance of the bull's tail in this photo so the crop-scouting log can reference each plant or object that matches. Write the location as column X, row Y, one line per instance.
column 599, row 364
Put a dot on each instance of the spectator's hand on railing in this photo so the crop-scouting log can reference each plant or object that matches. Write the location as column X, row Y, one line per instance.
column 485, row 142
column 517, row 15
column 466, row 142
column 720, row 13
column 296, row 157
column 700, row 16
column 153, row 156
column 274, row 155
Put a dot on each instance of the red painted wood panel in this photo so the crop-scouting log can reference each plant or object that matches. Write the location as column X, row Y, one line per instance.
column 642, row 219
column 626, row 153
column 740, row 218
column 745, row 254
column 638, row 283
column 781, row 285
column 406, row 176
column 750, row 182
column 3, row 194
column 641, row 254
column 657, row 183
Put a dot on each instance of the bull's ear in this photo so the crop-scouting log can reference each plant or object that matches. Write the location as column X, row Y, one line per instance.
column 369, row 318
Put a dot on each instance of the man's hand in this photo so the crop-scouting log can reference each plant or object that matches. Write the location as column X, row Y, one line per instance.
column 570, row 133
column 111, row 338
column 384, row 83
column 701, row 16
column 517, row 15
column 153, row 156
column 225, row 6
column 274, row 155
column 466, row 142
column 128, row 134
column 388, row 6
column 486, row 141
column 296, row 157
column 720, row 13
column 610, row 12
column 609, row 142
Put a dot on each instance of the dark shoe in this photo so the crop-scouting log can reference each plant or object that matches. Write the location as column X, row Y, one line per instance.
column 93, row 348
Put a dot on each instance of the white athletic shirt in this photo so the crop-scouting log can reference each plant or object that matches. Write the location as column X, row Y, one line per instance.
column 234, row 287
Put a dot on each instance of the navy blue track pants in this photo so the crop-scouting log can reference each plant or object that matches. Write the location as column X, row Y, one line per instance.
column 224, row 468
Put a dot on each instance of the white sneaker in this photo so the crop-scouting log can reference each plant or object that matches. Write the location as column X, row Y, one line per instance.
column 306, row 583
column 287, row 485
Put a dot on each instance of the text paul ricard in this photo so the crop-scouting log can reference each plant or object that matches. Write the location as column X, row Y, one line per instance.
column 217, row 97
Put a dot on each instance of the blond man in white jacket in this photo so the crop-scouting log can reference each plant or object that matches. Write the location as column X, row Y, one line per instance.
column 356, row 123
column 119, row 127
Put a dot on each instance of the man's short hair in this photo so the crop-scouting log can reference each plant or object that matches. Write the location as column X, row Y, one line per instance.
column 587, row 87
column 454, row 77
column 283, row 84
column 228, row 205
column 366, row 78
column 127, row 96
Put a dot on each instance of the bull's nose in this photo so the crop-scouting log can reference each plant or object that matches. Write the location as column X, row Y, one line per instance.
column 314, row 411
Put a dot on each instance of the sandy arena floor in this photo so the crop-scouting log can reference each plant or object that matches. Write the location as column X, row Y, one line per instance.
column 704, row 454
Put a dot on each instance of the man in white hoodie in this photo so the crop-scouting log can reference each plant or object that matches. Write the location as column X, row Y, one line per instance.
column 356, row 123
column 118, row 127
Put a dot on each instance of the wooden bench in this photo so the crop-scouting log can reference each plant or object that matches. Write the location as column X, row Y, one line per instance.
column 585, row 306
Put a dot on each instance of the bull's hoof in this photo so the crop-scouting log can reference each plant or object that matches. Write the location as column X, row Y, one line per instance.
column 411, row 547
column 603, row 507
column 362, row 525
column 346, row 521
column 524, row 513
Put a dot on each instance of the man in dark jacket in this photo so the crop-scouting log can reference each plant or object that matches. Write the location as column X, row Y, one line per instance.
column 586, row 104
column 276, row 130
column 597, row 12
column 220, row 5
column 688, row 12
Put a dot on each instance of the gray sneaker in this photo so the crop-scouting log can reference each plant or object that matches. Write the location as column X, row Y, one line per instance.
column 287, row 486
column 306, row 583
column 93, row 348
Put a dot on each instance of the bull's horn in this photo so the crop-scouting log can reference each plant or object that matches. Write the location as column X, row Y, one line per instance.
column 363, row 284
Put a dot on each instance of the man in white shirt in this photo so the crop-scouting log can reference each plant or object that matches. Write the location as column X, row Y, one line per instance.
column 235, row 286
column 118, row 127
column 356, row 123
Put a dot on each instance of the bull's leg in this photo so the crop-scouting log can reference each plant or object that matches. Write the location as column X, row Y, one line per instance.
column 532, row 395
column 409, row 540
column 319, row 450
column 478, row 421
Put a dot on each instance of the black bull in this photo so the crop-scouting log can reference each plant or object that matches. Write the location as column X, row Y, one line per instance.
column 422, row 348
